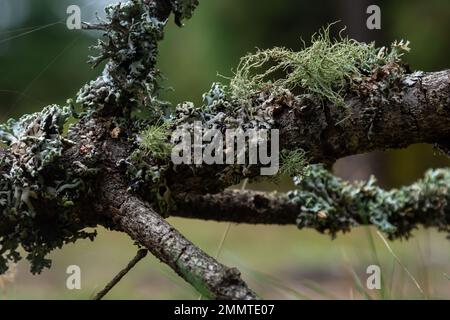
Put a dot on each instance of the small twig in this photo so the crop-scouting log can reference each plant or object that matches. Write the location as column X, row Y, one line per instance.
column 137, row 218
column 93, row 26
column 141, row 254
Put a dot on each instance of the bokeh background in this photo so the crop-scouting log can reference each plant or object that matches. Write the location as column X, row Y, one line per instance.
column 42, row 62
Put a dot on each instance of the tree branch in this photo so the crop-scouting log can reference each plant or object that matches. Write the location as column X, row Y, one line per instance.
column 49, row 182
column 328, row 204
column 141, row 254
column 204, row 273
column 252, row 207
column 120, row 210
column 416, row 110
column 424, row 104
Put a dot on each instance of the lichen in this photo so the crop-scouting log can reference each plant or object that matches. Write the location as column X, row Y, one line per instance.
column 329, row 204
column 33, row 175
column 130, row 80
column 130, row 85
column 154, row 141
column 326, row 68
column 183, row 9
column 293, row 163
column 34, row 178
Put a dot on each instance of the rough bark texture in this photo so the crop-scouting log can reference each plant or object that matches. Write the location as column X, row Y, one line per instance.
column 419, row 113
column 253, row 207
column 149, row 229
column 120, row 210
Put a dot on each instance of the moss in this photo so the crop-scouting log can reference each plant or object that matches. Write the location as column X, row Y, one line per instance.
column 325, row 68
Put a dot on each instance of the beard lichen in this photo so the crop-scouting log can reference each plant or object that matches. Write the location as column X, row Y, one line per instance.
column 131, row 82
column 154, row 141
column 325, row 69
column 293, row 163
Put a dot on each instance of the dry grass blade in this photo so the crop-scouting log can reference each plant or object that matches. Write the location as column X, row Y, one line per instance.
column 410, row 275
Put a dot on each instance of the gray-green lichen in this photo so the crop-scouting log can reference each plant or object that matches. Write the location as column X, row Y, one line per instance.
column 129, row 80
column 130, row 85
column 32, row 174
column 323, row 71
column 183, row 9
column 330, row 204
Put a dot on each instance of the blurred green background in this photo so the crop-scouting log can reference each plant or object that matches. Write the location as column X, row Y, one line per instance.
column 42, row 62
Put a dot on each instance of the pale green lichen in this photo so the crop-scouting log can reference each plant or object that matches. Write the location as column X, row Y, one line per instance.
column 147, row 165
column 154, row 141
column 35, row 183
column 131, row 83
column 324, row 69
column 293, row 163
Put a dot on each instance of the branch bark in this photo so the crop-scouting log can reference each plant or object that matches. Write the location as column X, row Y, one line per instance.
column 328, row 204
column 141, row 254
column 418, row 113
column 421, row 115
column 252, row 207
column 120, row 210
column 204, row 273
column 383, row 112
column 416, row 109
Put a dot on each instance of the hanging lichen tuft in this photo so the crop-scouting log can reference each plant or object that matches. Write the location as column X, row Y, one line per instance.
column 326, row 68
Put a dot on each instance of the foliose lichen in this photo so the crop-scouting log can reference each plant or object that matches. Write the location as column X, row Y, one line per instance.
column 183, row 9
column 32, row 174
column 130, row 81
column 329, row 204
column 130, row 85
